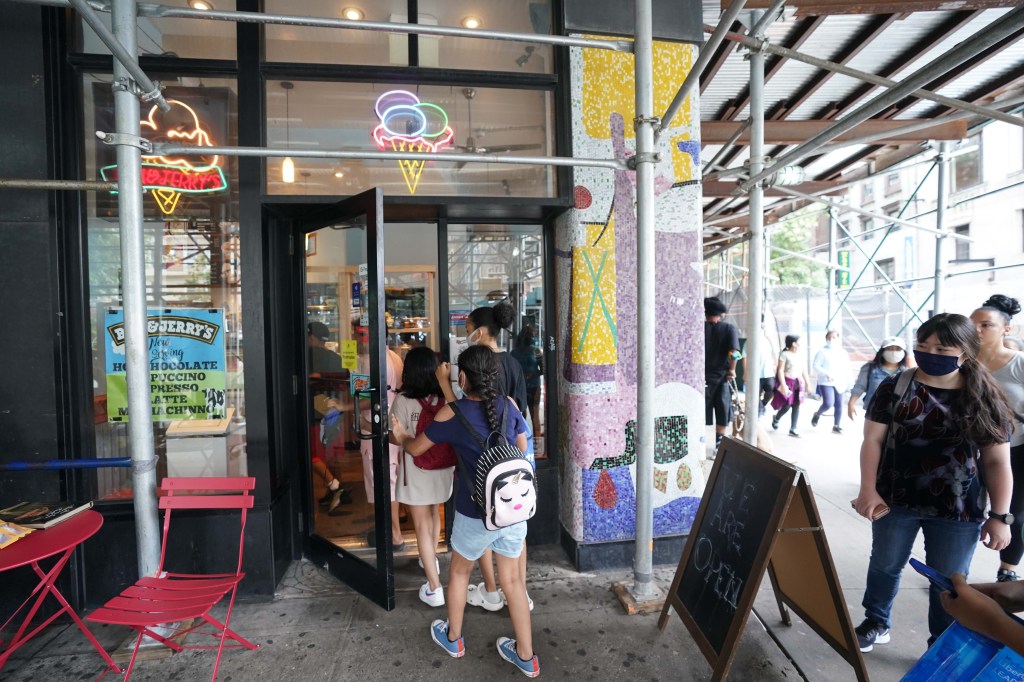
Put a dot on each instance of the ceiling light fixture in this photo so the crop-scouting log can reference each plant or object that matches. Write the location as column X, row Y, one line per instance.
column 352, row 13
column 200, row 5
column 339, row 174
column 471, row 22
column 287, row 166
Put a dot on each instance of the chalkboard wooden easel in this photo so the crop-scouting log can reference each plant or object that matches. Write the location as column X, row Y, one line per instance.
column 757, row 515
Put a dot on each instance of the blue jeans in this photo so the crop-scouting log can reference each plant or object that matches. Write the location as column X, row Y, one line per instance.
column 830, row 398
column 948, row 548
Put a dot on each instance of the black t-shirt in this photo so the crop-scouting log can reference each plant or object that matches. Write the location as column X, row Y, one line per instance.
column 719, row 339
column 511, row 381
column 323, row 360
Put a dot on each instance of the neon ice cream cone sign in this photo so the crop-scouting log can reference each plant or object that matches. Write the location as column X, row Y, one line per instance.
column 409, row 125
column 167, row 178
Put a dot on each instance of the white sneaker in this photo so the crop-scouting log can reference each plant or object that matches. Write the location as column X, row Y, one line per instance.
column 437, row 565
column 505, row 601
column 435, row 598
column 475, row 597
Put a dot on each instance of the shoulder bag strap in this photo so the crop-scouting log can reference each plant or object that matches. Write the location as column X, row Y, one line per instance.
column 902, row 384
column 469, row 427
column 463, row 469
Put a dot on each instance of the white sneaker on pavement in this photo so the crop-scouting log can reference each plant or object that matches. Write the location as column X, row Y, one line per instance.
column 435, row 598
column 477, row 597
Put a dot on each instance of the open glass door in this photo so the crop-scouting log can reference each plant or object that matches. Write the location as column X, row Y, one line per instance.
column 347, row 382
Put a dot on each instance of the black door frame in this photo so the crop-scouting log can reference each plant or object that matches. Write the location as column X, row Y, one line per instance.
column 373, row 581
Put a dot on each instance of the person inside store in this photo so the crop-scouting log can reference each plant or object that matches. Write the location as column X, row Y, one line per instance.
column 483, row 328
column 791, row 384
column 985, row 608
column 485, row 409
column 924, row 440
column 832, row 370
column 891, row 357
column 721, row 351
column 423, row 491
column 394, row 375
column 992, row 321
column 531, row 361
column 326, row 375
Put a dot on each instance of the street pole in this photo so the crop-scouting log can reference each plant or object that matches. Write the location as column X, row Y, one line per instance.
column 644, row 123
column 831, row 274
column 755, row 254
column 940, row 216
column 133, row 293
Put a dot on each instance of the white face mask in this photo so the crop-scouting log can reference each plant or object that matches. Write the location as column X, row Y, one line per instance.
column 894, row 356
column 474, row 338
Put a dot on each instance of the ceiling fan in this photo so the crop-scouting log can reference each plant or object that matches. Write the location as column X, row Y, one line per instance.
column 471, row 146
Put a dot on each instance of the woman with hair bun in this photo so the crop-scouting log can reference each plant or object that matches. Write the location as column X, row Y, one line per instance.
column 992, row 321
column 483, row 327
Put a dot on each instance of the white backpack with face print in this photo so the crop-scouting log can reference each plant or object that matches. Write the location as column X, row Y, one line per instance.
column 504, row 487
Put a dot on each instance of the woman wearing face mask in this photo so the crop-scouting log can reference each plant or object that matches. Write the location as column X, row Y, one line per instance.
column 992, row 320
column 925, row 476
column 890, row 358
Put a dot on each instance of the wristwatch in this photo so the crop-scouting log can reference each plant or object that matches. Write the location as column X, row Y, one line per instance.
column 1006, row 518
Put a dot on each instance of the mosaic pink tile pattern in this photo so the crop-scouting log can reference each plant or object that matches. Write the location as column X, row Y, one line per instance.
column 598, row 401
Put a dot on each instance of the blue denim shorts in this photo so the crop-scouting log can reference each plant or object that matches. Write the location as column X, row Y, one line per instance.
column 470, row 538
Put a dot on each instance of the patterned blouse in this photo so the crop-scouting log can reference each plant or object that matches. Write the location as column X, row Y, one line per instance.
column 931, row 467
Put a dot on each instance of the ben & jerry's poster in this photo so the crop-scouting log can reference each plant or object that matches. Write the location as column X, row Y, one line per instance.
column 186, row 364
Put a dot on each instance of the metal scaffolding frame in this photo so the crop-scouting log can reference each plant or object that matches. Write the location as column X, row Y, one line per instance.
column 131, row 84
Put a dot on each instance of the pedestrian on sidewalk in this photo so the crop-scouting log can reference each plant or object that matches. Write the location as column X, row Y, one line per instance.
column 423, row 491
column 484, row 408
column 721, row 351
column 791, row 384
column 919, row 461
column 890, row 358
column 766, row 373
column 992, row 320
column 832, row 370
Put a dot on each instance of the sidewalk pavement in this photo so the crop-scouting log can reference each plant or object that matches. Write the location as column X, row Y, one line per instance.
column 832, row 463
column 317, row 629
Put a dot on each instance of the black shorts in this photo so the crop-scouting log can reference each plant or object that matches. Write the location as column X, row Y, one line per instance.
column 717, row 403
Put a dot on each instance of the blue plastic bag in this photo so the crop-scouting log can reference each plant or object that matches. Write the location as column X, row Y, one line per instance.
column 962, row 654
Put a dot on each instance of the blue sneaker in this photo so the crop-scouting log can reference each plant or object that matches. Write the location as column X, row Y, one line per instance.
column 507, row 650
column 439, row 633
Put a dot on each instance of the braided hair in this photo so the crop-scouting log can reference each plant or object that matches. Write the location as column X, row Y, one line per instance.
column 480, row 366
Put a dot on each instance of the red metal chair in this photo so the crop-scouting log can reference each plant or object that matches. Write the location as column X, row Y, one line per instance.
column 175, row 597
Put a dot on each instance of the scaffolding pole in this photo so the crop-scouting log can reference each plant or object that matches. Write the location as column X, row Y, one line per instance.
column 171, row 149
column 643, row 588
column 703, row 59
column 132, row 76
column 942, row 164
column 133, row 292
column 755, row 254
column 985, row 38
column 25, row 183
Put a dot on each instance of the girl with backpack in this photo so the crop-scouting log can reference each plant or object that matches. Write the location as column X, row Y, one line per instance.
column 423, row 490
column 926, row 432
column 488, row 413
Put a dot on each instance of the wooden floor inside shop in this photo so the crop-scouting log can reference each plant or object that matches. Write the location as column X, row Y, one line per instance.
column 350, row 526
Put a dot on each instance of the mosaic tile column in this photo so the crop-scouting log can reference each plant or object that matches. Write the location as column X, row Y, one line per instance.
column 596, row 260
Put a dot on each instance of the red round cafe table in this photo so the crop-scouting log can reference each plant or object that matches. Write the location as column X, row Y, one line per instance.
column 57, row 541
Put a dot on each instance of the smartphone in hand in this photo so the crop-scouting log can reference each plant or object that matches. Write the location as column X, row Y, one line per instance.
column 934, row 577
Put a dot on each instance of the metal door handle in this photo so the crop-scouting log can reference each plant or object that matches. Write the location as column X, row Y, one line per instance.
column 375, row 414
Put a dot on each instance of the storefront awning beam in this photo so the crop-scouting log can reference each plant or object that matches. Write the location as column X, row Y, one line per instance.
column 156, row 10
column 144, row 87
column 25, row 183
column 985, row 38
column 703, row 59
column 167, row 149
column 867, row 77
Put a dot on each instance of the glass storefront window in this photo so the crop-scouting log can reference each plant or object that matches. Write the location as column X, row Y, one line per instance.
column 513, row 16
column 162, row 37
column 336, row 45
column 491, row 263
column 193, row 275
column 343, row 116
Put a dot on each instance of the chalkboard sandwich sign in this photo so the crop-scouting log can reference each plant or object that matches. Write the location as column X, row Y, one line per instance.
column 753, row 505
